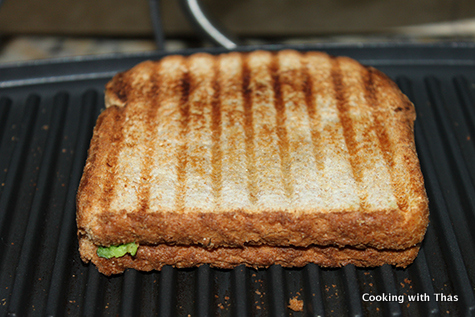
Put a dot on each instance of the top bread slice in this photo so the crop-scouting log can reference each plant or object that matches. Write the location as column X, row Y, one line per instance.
column 262, row 148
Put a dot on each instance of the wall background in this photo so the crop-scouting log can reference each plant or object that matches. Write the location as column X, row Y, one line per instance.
column 130, row 18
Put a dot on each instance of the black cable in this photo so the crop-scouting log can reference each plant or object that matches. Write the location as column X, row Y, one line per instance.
column 200, row 19
column 156, row 23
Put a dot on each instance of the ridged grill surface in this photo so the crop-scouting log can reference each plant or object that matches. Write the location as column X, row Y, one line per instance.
column 45, row 131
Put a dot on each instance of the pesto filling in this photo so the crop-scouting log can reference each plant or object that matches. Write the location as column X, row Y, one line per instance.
column 116, row 251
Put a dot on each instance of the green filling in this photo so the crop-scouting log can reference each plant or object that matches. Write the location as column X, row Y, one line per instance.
column 116, row 251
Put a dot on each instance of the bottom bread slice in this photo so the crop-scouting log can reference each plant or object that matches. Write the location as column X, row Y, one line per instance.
column 155, row 257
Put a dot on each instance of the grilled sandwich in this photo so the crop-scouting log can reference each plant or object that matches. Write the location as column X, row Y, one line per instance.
column 252, row 158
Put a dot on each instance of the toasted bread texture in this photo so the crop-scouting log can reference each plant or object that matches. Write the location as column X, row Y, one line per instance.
column 247, row 149
column 150, row 258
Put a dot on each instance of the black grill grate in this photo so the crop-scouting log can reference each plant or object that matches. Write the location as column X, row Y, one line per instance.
column 46, row 124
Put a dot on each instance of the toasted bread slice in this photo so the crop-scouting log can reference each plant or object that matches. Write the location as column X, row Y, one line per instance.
column 248, row 149
column 150, row 258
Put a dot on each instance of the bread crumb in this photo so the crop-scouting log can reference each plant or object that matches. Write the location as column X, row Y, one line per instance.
column 295, row 304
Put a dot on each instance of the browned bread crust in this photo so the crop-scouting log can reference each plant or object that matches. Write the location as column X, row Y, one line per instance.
column 240, row 150
column 155, row 257
column 277, row 228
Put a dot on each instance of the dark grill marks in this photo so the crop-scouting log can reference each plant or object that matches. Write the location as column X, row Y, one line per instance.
column 249, row 129
column 93, row 150
column 280, row 127
column 182, row 157
column 121, row 86
column 216, row 154
column 312, row 114
column 382, row 134
column 113, row 156
column 150, row 131
column 346, row 122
